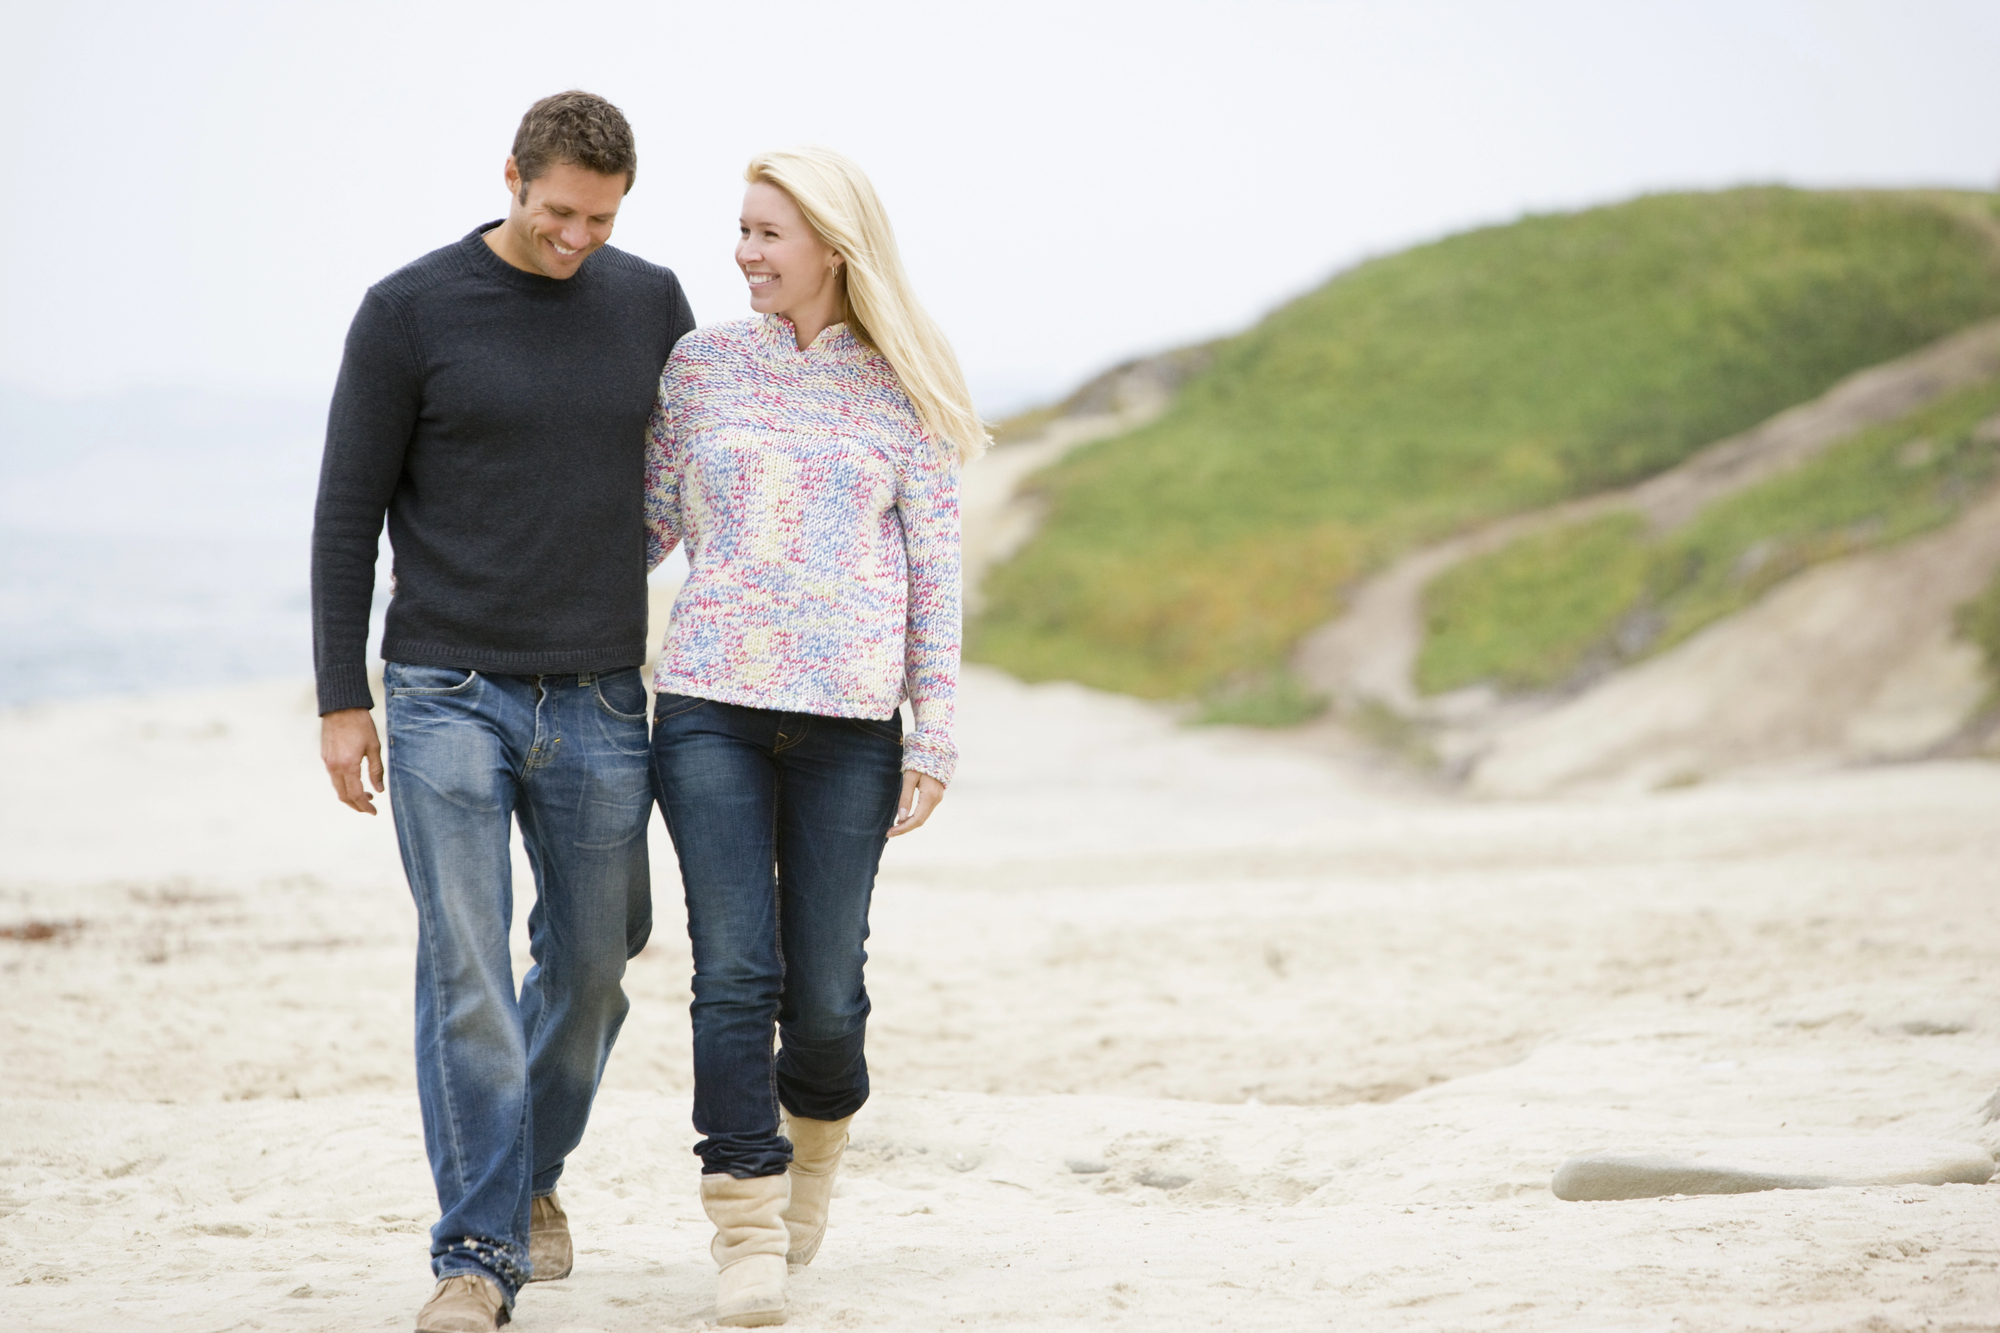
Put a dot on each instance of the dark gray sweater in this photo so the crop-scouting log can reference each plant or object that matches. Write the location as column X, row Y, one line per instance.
column 499, row 419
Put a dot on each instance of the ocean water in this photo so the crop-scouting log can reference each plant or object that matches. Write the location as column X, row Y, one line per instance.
column 153, row 541
column 160, row 541
column 119, row 614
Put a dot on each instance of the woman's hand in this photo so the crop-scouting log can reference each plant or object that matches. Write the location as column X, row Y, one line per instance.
column 921, row 794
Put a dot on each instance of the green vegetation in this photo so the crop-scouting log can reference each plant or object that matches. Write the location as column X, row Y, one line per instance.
column 1493, row 371
column 1979, row 625
column 1554, row 604
column 1274, row 698
column 1526, row 617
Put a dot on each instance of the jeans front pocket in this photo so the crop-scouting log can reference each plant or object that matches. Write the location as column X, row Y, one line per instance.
column 673, row 705
column 622, row 694
column 400, row 678
column 888, row 729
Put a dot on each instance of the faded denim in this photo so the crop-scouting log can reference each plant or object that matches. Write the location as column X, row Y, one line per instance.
column 506, row 1083
column 779, row 820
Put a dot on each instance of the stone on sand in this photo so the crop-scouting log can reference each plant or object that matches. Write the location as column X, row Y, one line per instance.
column 1744, row 1166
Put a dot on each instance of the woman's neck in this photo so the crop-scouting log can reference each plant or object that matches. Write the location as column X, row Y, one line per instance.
column 816, row 318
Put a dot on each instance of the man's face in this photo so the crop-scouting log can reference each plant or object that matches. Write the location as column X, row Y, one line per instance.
column 567, row 214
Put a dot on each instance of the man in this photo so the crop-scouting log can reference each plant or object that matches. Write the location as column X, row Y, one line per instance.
column 492, row 402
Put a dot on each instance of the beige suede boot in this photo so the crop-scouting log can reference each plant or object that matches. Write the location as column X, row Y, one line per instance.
column 463, row 1303
column 550, row 1255
column 817, row 1146
column 750, row 1243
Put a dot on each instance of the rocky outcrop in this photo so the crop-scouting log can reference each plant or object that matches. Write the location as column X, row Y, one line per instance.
column 1746, row 1166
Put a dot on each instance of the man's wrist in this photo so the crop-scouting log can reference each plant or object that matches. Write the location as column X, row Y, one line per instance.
column 344, row 686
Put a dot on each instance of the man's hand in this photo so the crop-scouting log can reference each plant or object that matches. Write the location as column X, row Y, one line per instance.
column 921, row 794
column 347, row 737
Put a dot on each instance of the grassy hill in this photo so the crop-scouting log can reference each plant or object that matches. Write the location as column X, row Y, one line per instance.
column 1564, row 602
column 1493, row 371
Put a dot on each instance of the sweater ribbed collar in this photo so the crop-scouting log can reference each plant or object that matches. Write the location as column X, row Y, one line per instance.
column 480, row 255
column 779, row 337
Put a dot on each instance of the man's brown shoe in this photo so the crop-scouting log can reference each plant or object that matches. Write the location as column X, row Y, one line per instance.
column 549, row 1253
column 464, row 1303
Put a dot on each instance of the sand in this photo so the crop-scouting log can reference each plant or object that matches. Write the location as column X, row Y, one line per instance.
column 1174, row 1029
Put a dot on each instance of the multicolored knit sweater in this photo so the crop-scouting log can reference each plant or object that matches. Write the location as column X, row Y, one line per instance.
column 821, row 523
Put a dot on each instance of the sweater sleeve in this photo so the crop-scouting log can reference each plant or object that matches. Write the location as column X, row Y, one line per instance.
column 663, row 470
column 375, row 404
column 927, row 501
column 683, row 318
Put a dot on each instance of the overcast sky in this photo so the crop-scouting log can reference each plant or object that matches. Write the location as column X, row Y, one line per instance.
column 203, row 190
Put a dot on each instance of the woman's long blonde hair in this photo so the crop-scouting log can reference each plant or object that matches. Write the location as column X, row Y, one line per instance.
column 882, row 311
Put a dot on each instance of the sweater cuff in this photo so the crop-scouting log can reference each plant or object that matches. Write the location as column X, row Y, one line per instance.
column 930, row 756
column 344, row 686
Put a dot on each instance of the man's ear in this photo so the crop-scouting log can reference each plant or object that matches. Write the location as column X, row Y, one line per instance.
column 513, row 178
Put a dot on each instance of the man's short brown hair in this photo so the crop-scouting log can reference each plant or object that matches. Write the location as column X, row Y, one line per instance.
column 581, row 129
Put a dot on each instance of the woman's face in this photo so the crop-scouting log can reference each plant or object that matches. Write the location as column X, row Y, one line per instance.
column 786, row 264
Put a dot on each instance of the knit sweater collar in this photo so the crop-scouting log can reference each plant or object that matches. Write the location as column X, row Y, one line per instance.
column 480, row 255
column 779, row 337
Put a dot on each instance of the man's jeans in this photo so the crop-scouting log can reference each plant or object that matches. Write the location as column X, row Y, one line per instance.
column 506, row 1085
column 779, row 820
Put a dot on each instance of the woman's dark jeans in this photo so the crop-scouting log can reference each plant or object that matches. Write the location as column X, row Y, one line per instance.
column 779, row 820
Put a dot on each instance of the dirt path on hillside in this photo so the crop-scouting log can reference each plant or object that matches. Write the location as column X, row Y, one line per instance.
column 1368, row 655
column 1852, row 661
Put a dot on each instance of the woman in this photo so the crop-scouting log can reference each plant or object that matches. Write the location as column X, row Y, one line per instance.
column 808, row 457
